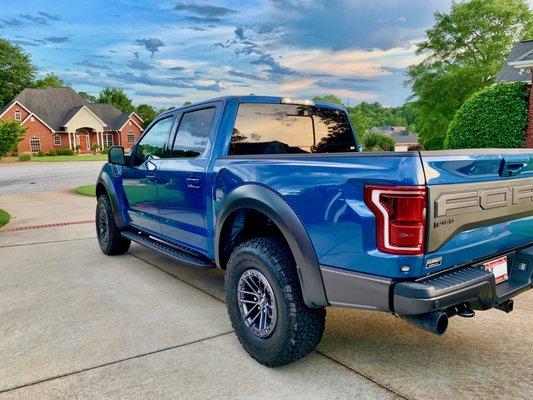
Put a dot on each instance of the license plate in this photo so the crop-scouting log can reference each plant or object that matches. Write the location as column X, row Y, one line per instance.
column 498, row 267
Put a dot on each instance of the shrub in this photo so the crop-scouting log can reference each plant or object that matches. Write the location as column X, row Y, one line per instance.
column 493, row 117
column 52, row 153
column 25, row 156
column 40, row 154
column 105, row 150
column 65, row 152
column 95, row 147
column 377, row 142
column 11, row 133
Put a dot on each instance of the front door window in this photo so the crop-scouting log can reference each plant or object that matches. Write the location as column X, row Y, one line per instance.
column 153, row 142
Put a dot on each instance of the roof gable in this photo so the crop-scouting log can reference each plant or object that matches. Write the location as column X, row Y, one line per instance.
column 113, row 117
column 83, row 117
column 519, row 52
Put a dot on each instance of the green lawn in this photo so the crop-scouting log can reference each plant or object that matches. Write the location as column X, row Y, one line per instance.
column 85, row 157
column 86, row 190
column 4, row 217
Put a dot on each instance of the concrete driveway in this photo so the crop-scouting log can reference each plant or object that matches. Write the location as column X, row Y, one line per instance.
column 45, row 176
column 77, row 324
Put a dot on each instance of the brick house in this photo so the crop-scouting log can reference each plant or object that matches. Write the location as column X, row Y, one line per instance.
column 59, row 117
column 519, row 68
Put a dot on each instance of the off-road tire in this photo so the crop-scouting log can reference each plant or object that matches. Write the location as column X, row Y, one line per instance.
column 111, row 241
column 298, row 328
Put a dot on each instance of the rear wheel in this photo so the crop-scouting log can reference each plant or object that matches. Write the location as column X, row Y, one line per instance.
column 109, row 238
column 265, row 304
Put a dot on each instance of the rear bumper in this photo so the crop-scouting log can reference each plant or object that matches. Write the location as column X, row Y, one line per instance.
column 470, row 284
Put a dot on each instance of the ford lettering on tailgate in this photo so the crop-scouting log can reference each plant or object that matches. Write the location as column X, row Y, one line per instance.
column 465, row 206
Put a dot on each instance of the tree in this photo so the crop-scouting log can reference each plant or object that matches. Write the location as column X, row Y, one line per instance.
column 16, row 71
column 186, row 103
column 377, row 142
column 49, row 80
column 147, row 113
column 89, row 97
column 464, row 51
column 366, row 115
column 496, row 116
column 11, row 133
column 117, row 98
column 329, row 98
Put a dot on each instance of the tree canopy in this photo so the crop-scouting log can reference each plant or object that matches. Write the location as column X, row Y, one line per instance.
column 89, row 97
column 464, row 51
column 116, row 97
column 147, row 113
column 329, row 98
column 11, row 133
column 16, row 71
column 49, row 80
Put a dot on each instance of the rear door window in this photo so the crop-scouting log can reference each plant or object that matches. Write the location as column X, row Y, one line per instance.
column 193, row 132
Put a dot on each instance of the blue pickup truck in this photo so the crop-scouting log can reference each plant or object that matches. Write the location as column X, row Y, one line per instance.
column 277, row 192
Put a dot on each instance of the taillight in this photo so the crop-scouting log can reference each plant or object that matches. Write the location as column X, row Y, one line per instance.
column 400, row 217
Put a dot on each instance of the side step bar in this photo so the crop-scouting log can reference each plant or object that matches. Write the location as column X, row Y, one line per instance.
column 168, row 250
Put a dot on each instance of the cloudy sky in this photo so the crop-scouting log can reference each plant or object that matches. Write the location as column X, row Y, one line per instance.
column 166, row 52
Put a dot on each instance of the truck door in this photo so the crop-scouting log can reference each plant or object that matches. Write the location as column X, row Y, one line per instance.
column 140, row 179
column 183, row 191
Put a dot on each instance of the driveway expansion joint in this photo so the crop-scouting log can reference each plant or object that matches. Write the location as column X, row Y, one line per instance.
column 115, row 362
column 401, row 396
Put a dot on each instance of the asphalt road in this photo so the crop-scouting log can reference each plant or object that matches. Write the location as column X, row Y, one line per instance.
column 45, row 176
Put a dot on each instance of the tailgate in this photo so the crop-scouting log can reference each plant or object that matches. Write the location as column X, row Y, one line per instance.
column 480, row 203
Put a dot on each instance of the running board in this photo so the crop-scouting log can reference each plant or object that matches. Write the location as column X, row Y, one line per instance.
column 168, row 250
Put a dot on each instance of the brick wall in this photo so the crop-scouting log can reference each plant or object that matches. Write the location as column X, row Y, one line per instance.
column 529, row 133
column 123, row 139
column 36, row 129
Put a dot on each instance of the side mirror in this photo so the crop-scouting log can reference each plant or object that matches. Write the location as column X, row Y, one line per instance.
column 115, row 155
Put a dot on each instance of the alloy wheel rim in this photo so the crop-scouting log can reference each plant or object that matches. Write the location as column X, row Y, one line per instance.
column 257, row 303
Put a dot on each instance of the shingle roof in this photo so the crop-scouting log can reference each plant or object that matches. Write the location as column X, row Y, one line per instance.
column 56, row 106
column 521, row 51
column 112, row 116
column 405, row 137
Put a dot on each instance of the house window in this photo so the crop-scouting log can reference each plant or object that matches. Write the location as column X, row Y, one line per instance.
column 131, row 137
column 35, row 144
column 57, row 140
column 17, row 116
column 108, row 140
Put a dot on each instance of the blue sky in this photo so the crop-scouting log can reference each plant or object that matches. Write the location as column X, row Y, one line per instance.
column 166, row 52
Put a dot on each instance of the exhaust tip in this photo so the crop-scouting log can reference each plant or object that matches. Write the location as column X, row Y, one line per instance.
column 441, row 325
column 434, row 322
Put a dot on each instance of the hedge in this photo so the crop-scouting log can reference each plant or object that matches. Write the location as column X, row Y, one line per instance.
column 377, row 142
column 496, row 116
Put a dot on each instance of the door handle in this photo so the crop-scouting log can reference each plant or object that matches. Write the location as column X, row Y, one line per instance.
column 193, row 183
column 150, row 179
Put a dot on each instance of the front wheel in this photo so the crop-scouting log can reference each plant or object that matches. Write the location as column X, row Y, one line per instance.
column 265, row 304
column 109, row 238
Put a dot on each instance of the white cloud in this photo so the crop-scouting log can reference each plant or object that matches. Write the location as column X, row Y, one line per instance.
column 362, row 63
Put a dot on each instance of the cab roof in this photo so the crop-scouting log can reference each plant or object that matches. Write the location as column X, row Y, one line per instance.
column 258, row 99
